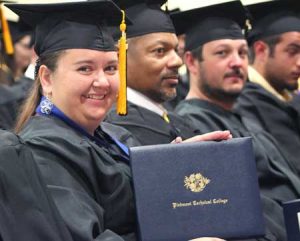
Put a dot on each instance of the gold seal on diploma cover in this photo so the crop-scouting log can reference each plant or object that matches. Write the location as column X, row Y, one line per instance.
column 196, row 182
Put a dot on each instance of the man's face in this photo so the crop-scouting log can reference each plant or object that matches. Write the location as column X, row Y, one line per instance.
column 223, row 70
column 152, row 65
column 282, row 68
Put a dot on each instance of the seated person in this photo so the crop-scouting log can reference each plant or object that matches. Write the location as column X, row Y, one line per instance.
column 267, row 99
column 217, row 63
column 15, row 63
column 85, row 169
column 152, row 76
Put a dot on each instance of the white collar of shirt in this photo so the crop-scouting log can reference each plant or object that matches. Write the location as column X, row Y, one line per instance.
column 139, row 99
column 29, row 73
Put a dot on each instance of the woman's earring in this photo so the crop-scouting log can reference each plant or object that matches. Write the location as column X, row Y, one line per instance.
column 46, row 105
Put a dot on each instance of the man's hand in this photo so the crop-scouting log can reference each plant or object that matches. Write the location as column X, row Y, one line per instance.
column 211, row 136
column 207, row 239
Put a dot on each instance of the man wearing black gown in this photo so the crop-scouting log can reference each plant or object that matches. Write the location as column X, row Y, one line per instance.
column 152, row 76
column 217, row 63
column 267, row 98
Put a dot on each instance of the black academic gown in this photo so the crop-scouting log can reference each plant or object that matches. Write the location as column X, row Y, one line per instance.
column 27, row 212
column 11, row 98
column 278, row 118
column 91, row 190
column 278, row 183
column 7, row 107
column 296, row 102
column 120, row 134
column 149, row 128
column 6, row 77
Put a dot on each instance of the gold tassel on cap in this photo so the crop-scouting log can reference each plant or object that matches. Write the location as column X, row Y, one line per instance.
column 6, row 33
column 122, row 99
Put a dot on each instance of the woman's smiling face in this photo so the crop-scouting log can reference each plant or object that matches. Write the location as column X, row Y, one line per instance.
column 84, row 85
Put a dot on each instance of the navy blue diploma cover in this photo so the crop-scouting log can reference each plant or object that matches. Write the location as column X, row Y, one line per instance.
column 190, row 190
column 291, row 211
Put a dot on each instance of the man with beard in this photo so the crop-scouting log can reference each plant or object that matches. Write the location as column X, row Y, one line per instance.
column 152, row 76
column 217, row 62
column 275, row 54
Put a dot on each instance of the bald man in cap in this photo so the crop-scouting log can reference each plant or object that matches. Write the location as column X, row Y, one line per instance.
column 152, row 76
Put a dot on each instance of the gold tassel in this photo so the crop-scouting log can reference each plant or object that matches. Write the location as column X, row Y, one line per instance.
column 9, row 48
column 122, row 98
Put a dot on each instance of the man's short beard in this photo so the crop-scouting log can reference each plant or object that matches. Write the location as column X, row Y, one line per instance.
column 168, row 96
column 284, row 86
column 161, row 96
column 219, row 94
column 279, row 84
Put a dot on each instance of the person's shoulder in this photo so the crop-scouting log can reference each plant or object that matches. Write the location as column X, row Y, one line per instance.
column 120, row 133
column 295, row 103
column 135, row 114
column 8, row 138
column 51, row 138
column 51, row 129
column 252, row 89
column 183, row 105
column 23, row 85
column 254, row 94
column 6, row 94
column 193, row 106
column 6, row 77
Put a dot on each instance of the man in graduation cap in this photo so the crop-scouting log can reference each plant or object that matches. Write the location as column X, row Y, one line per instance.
column 217, row 63
column 152, row 75
column 273, row 76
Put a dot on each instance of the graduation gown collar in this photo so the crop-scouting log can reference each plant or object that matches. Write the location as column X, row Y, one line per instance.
column 209, row 105
column 97, row 138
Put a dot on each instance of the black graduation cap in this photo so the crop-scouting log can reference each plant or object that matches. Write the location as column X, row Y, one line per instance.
column 124, row 4
column 147, row 17
column 205, row 24
column 19, row 29
column 273, row 18
column 71, row 24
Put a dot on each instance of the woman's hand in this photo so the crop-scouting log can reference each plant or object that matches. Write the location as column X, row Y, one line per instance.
column 211, row 136
column 207, row 239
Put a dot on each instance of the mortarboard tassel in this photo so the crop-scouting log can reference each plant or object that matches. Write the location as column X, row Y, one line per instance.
column 122, row 102
column 6, row 34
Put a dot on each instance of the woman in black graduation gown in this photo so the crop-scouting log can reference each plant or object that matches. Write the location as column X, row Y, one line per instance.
column 86, row 170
